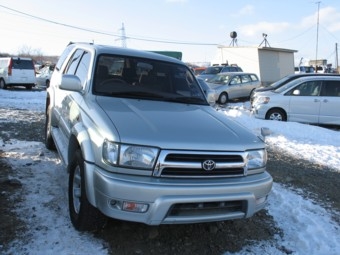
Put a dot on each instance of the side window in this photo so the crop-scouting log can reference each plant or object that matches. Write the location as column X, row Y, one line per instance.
column 331, row 89
column 245, row 78
column 254, row 77
column 83, row 67
column 73, row 63
column 235, row 80
column 310, row 88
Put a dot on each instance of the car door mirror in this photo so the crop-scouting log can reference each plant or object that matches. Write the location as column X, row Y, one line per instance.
column 70, row 82
column 296, row 92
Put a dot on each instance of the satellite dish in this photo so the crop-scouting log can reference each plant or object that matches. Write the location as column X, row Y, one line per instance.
column 233, row 34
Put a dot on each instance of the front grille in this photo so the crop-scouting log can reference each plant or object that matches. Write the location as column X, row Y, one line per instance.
column 207, row 208
column 190, row 164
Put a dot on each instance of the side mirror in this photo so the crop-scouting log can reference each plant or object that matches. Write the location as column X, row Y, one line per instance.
column 296, row 92
column 70, row 82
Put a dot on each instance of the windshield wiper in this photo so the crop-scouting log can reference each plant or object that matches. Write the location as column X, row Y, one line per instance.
column 137, row 94
column 190, row 100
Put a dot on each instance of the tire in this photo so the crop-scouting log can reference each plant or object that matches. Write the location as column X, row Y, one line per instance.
column 49, row 143
column 223, row 98
column 2, row 84
column 276, row 114
column 84, row 216
column 47, row 83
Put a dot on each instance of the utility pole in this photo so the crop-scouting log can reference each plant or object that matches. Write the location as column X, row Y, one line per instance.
column 317, row 38
column 336, row 57
column 123, row 36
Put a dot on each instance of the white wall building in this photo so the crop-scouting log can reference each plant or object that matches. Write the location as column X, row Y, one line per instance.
column 270, row 64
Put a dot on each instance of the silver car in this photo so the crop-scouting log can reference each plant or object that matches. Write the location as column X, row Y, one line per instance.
column 141, row 143
column 313, row 99
column 233, row 85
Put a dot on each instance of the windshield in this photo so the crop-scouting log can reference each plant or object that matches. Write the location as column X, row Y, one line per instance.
column 212, row 70
column 287, row 85
column 220, row 79
column 130, row 77
column 278, row 83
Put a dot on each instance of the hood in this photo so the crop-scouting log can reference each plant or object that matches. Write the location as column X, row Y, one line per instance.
column 175, row 125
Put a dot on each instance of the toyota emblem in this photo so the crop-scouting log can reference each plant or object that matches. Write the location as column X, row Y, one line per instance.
column 209, row 165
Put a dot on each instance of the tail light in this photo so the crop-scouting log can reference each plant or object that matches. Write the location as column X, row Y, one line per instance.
column 10, row 67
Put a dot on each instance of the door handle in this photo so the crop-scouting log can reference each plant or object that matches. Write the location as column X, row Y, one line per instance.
column 316, row 100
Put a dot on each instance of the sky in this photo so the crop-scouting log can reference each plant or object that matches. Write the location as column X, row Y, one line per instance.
column 307, row 227
column 193, row 27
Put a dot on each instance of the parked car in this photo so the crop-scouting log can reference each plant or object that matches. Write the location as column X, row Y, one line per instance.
column 17, row 71
column 299, row 69
column 198, row 70
column 233, row 85
column 280, row 83
column 312, row 99
column 141, row 143
column 211, row 71
column 43, row 76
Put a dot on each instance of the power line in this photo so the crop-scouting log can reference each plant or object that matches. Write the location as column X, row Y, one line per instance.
column 106, row 33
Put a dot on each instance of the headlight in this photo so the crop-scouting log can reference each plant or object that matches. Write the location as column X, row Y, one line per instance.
column 131, row 156
column 262, row 100
column 256, row 159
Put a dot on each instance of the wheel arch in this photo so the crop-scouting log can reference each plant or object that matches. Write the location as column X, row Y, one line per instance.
column 80, row 139
column 277, row 109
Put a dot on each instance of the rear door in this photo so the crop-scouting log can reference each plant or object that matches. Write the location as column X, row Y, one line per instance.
column 304, row 103
column 23, row 71
column 234, row 87
column 330, row 103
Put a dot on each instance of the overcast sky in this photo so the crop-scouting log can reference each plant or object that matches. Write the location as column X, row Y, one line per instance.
column 190, row 26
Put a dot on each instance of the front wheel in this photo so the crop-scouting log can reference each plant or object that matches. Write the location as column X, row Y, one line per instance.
column 84, row 216
column 276, row 114
column 223, row 98
column 49, row 143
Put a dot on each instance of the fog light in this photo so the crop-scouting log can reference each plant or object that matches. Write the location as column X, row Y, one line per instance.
column 261, row 200
column 134, row 207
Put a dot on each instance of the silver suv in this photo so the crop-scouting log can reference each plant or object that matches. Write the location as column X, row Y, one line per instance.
column 141, row 143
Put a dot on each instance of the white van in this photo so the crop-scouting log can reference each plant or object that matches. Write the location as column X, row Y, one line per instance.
column 16, row 71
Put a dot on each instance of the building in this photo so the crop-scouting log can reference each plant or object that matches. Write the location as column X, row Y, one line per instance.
column 270, row 64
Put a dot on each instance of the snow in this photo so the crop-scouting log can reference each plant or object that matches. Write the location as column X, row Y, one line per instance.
column 308, row 228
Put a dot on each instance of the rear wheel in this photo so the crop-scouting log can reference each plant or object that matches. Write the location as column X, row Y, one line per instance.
column 276, row 114
column 84, row 216
column 2, row 84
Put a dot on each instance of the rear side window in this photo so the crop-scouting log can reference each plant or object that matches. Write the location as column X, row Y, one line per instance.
column 254, row 77
column 22, row 64
column 331, row 89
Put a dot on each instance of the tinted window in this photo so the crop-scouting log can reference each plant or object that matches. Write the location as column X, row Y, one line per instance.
column 140, row 78
column 22, row 64
column 331, row 89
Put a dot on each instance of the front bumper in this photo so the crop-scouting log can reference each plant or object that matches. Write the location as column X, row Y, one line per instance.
column 176, row 201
